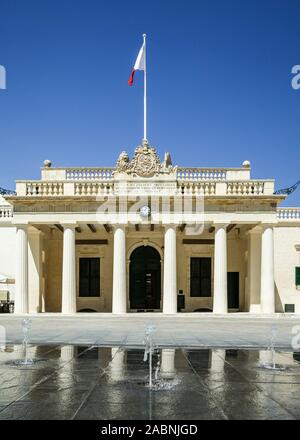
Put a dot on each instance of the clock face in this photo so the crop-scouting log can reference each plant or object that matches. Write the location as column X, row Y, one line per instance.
column 145, row 211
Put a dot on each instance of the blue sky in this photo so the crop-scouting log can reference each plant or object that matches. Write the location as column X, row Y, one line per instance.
column 219, row 84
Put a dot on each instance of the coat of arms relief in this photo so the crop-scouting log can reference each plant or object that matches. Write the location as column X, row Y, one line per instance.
column 145, row 162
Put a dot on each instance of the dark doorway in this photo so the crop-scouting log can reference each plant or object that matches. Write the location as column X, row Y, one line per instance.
column 145, row 279
column 200, row 283
column 233, row 286
column 89, row 277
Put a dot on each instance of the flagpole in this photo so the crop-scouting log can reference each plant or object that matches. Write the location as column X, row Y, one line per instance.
column 145, row 90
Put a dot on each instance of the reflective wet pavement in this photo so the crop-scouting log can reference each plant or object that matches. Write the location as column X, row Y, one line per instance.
column 88, row 382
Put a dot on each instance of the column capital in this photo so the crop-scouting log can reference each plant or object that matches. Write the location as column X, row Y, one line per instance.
column 221, row 225
column 70, row 225
column 116, row 226
column 21, row 225
column 268, row 225
column 170, row 226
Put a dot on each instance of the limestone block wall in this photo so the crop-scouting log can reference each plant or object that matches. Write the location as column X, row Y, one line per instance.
column 36, row 284
column 287, row 257
column 236, row 262
column 236, row 248
column 184, row 254
column 103, row 303
column 53, row 256
column 53, row 271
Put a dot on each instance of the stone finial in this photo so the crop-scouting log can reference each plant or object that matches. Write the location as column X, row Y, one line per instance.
column 246, row 164
column 167, row 160
column 47, row 163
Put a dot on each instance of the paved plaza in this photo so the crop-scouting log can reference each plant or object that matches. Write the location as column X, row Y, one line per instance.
column 91, row 366
column 87, row 382
column 188, row 330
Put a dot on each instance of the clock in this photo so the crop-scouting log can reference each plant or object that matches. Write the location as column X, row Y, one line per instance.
column 145, row 211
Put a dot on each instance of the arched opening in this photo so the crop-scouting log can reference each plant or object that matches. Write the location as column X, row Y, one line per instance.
column 145, row 279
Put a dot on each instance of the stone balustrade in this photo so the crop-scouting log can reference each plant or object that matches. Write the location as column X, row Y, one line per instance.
column 6, row 212
column 197, row 188
column 89, row 173
column 69, row 188
column 44, row 189
column 182, row 173
column 288, row 213
column 202, row 174
column 93, row 189
column 246, row 188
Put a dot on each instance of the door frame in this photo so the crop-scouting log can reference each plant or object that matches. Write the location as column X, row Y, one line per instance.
column 129, row 252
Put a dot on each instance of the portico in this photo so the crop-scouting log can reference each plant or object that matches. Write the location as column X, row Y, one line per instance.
column 114, row 240
column 172, row 250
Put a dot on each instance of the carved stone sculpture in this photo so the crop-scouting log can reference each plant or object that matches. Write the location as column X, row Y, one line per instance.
column 145, row 162
column 122, row 162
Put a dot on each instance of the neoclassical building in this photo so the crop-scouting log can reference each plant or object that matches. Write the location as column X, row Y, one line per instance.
column 149, row 236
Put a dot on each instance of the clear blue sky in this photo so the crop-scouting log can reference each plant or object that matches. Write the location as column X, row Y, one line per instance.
column 219, row 84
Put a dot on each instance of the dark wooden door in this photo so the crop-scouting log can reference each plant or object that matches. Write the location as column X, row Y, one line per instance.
column 145, row 279
column 233, row 288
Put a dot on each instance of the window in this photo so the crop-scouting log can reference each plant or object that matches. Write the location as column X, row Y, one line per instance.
column 297, row 277
column 200, row 277
column 89, row 277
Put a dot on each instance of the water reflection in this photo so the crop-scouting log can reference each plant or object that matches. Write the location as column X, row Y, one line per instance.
column 218, row 360
column 67, row 353
column 167, row 366
column 117, row 365
column 109, row 382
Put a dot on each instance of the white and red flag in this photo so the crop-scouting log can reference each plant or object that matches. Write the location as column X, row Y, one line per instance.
column 139, row 64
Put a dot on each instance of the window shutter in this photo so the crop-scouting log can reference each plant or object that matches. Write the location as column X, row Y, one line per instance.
column 297, row 276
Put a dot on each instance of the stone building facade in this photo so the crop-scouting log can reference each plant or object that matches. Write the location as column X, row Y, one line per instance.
column 145, row 234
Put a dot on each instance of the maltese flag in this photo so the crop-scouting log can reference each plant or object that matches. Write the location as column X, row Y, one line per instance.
column 139, row 64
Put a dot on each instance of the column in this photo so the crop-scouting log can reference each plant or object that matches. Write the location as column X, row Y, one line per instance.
column 220, row 270
column 170, row 271
column 69, row 271
column 35, row 271
column 119, row 271
column 267, row 284
column 254, row 266
column 21, row 289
